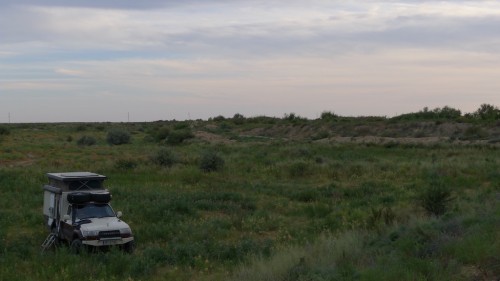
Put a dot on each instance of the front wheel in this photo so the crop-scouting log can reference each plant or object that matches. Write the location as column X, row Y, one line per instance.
column 76, row 246
column 129, row 247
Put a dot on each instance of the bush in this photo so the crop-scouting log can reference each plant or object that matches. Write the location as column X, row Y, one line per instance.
column 178, row 136
column 161, row 134
column 118, row 136
column 164, row 157
column 4, row 131
column 298, row 169
column 218, row 118
column 86, row 141
column 487, row 112
column 210, row 161
column 238, row 119
column 435, row 199
column 328, row 115
column 125, row 164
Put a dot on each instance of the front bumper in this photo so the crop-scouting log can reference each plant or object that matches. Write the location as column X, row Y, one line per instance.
column 107, row 242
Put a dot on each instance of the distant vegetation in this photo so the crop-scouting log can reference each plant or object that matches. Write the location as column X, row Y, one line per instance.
column 413, row 197
column 485, row 112
column 117, row 136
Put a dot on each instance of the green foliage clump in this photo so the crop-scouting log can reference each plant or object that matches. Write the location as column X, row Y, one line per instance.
column 435, row 198
column 293, row 118
column 238, row 119
column 487, row 112
column 164, row 157
column 474, row 132
column 86, row 141
column 380, row 216
column 126, row 164
column 218, row 118
column 298, row 169
column 178, row 136
column 4, row 131
column 328, row 115
column 118, row 136
column 445, row 113
column 210, row 161
column 161, row 134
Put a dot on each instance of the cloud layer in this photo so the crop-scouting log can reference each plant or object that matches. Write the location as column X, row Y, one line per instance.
column 197, row 59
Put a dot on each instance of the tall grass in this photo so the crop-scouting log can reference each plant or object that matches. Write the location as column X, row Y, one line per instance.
column 275, row 202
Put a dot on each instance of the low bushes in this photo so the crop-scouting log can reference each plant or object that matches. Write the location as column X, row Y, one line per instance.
column 164, row 157
column 86, row 141
column 118, row 136
column 210, row 161
column 435, row 198
column 4, row 131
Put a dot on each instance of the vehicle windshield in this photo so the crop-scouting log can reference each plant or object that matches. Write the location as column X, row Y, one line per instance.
column 93, row 211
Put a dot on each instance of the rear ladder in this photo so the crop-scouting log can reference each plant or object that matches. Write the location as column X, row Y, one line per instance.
column 49, row 241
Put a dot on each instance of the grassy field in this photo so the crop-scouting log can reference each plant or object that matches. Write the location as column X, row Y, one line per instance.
column 264, row 199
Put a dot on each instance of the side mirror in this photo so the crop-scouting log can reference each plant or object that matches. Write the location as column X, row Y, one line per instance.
column 66, row 218
column 119, row 214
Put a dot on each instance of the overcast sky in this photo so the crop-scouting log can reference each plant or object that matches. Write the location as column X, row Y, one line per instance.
column 105, row 60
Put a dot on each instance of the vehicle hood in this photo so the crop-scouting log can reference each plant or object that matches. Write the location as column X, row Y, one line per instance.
column 103, row 224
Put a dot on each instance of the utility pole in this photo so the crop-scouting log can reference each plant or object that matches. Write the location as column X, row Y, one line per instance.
column 128, row 117
column 9, row 117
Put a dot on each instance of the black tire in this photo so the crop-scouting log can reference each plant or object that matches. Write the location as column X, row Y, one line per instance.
column 129, row 247
column 101, row 197
column 78, row 197
column 76, row 246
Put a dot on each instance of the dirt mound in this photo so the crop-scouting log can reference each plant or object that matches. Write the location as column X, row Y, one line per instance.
column 212, row 138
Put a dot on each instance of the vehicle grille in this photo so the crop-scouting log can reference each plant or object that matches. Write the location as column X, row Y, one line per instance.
column 109, row 234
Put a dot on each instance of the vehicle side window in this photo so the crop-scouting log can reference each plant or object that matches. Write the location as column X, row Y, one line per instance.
column 69, row 210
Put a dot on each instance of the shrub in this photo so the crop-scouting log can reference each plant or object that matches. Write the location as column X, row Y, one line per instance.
column 475, row 132
column 487, row 112
column 328, row 115
column 164, row 157
column 435, row 198
column 161, row 134
column 219, row 118
column 210, row 161
column 86, row 141
column 4, row 131
column 125, row 164
column 238, row 119
column 178, row 136
column 118, row 136
column 379, row 216
column 298, row 169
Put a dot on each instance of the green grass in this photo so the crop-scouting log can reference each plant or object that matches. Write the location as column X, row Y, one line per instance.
column 352, row 211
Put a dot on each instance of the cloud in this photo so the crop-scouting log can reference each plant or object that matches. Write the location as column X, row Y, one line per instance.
column 258, row 57
column 109, row 4
column 69, row 72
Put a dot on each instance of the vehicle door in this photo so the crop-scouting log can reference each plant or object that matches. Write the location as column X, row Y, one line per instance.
column 67, row 224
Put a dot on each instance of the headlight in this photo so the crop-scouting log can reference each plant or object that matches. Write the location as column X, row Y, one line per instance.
column 125, row 231
column 90, row 233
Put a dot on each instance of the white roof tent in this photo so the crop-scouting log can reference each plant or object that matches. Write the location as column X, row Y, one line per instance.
column 74, row 181
column 75, row 176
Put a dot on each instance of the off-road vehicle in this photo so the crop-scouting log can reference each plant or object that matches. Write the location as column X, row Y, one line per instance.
column 76, row 210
